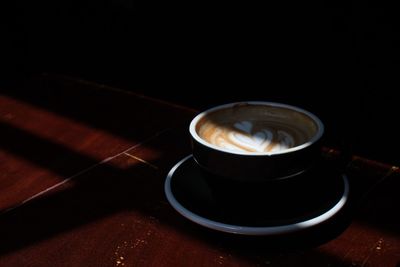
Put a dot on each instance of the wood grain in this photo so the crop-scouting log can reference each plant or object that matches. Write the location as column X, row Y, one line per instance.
column 84, row 166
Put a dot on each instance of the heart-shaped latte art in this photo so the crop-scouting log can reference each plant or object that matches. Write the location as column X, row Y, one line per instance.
column 252, row 136
column 257, row 142
column 257, row 128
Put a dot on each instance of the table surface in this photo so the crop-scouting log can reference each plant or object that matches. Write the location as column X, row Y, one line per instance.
column 82, row 171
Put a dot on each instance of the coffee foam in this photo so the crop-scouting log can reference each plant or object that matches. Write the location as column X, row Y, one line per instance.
column 256, row 128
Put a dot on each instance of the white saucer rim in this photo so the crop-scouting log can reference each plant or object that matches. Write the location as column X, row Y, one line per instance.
column 249, row 230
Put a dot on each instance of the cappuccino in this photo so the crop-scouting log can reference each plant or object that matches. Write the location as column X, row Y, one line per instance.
column 256, row 141
column 252, row 128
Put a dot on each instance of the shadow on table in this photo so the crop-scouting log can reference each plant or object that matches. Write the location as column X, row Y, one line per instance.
column 107, row 190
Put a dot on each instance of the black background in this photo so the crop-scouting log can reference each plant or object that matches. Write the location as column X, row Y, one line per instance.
column 336, row 59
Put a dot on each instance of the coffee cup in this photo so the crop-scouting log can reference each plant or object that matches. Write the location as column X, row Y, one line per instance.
column 256, row 141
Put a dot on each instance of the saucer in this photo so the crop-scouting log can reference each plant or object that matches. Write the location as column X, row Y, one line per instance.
column 260, row 208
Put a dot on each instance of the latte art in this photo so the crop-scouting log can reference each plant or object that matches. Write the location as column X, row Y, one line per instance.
column 257, row 129
column 244, row 137
column 255, row 142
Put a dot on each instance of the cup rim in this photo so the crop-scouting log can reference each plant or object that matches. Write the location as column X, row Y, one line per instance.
column 315, row 138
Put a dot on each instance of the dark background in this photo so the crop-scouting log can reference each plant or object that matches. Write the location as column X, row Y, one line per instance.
column 338, row 60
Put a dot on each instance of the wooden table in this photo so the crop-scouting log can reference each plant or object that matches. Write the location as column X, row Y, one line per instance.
column 82, row 170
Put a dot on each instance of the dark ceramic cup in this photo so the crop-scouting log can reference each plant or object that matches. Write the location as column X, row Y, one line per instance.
column 256, row 141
